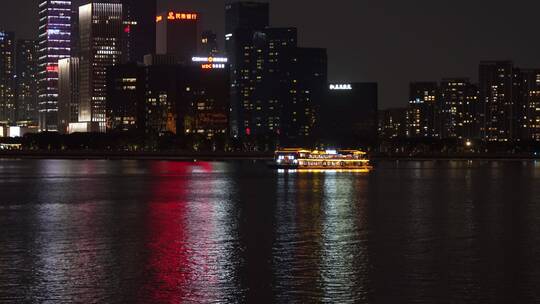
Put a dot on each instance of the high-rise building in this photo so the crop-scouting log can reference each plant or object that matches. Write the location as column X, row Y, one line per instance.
column 140, row 28
column 209, row 44
column 248, row 15
column 206, row 99
column 101, row 32
column 349, row 116
column 242, row 20
column 500, row 94
column 167, row 97
column 7, row 77
column 68, row 93
column 54, row 43
column 125, row 102
column 530, row 111
column 27, row 67
column 422, row 111
column 176, row 34
column 457, row 109
column 273, row 85
column 300, row 107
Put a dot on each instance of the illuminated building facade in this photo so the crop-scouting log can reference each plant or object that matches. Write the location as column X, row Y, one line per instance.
column 530, row 111
column 422, row 111
column 458, row 105
column 242, row 20
column 177, row 35
column 499, row 85
column 349, row 116
column 54, row 43
column 101, row 32
column 27, row 71
column 7, row 77
column 68, row 93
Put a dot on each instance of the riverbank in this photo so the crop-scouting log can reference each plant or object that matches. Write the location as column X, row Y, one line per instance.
column 185, row 156
column 224, row 156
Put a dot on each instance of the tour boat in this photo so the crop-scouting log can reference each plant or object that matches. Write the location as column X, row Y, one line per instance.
column 316, row 160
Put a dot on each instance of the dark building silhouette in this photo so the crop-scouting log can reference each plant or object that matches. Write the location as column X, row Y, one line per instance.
column 348, row 116
column 54, row 43
column 309, row 79
column 500, row 98
column 458, row 103
column 177, row 34
column 101, row 37
column 422, row 111
column 125, row 88
column 169, row 98
column 247, row 15
column 209, row 44
column 7, row 77
column 27, row 72
column 393, row 123
column 140, row 28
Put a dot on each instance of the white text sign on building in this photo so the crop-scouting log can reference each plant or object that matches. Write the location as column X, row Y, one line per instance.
column 344, row 86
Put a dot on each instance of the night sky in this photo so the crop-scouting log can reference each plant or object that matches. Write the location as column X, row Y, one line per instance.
column 389, row 41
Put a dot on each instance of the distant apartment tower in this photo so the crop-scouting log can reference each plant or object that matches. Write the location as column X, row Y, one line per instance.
column 300, row 112
column 242, row 20
column 273, row 85
column 457, row 109
column 101, row 33
column 176, row 34
column 27, row 67
column 530, row 111
column 54, row 43
column 209, row 44
column 68, row 93
column 500, row 98
column 7, row 77
column 422, row 111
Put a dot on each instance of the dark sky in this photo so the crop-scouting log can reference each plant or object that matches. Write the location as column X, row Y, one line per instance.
column 392, row 42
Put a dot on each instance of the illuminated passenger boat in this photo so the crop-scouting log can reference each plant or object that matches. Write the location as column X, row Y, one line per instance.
column 300, row 159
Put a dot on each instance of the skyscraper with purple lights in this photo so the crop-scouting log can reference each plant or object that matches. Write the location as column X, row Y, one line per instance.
column 54, row 43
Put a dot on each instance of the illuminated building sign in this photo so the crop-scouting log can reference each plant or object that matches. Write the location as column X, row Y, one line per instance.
column 211, row 66
column 179, row 16
column 210, row 59
column 341, row 87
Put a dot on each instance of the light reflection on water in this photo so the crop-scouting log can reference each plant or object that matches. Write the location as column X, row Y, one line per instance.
column 173, row 232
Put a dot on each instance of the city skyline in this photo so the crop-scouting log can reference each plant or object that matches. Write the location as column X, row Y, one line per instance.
column 445, row 49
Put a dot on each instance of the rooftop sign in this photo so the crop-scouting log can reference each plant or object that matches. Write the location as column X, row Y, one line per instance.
column 344, row 86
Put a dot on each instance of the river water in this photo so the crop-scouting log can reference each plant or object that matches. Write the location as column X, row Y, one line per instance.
column 87, row 231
